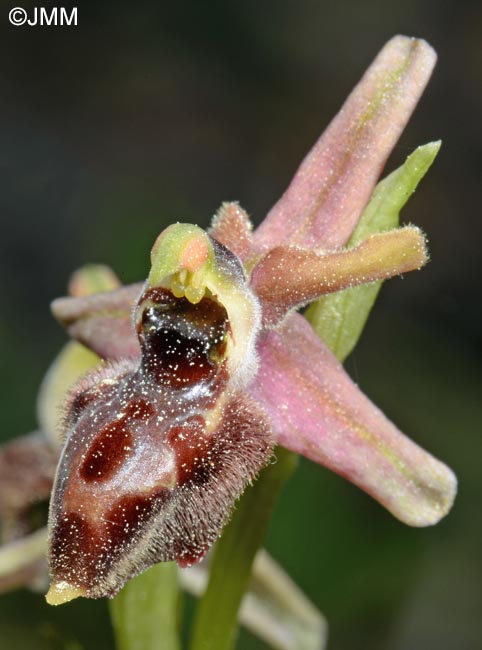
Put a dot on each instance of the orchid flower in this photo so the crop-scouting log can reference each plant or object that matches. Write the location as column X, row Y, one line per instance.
column 208, row 364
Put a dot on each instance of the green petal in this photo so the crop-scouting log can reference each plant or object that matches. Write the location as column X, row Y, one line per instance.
column 339, row 318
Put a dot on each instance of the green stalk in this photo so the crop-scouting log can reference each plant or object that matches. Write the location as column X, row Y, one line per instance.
column 215, row 625
column 145, row 613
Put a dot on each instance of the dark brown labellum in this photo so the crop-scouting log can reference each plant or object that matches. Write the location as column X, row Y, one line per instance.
column 157, row 451
column 182, row 343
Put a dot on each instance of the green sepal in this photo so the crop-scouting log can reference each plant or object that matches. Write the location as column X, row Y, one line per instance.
column 339, row 318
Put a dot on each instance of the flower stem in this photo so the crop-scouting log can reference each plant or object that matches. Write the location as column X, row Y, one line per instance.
column 215, row 625
column 145, row 613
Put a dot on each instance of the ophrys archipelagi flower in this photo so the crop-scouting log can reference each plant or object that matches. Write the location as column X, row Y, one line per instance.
column 209, row 365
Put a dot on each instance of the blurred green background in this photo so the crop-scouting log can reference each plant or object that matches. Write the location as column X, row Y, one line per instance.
column 147, row 113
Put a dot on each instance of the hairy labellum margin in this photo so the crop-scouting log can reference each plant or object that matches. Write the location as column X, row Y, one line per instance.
column 158, row 449
column 294, row 257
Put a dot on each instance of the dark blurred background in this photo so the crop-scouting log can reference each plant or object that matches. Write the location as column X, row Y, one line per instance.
column 146, row 113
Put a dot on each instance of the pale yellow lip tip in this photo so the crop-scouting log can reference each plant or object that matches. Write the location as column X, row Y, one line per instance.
column 62, row 592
